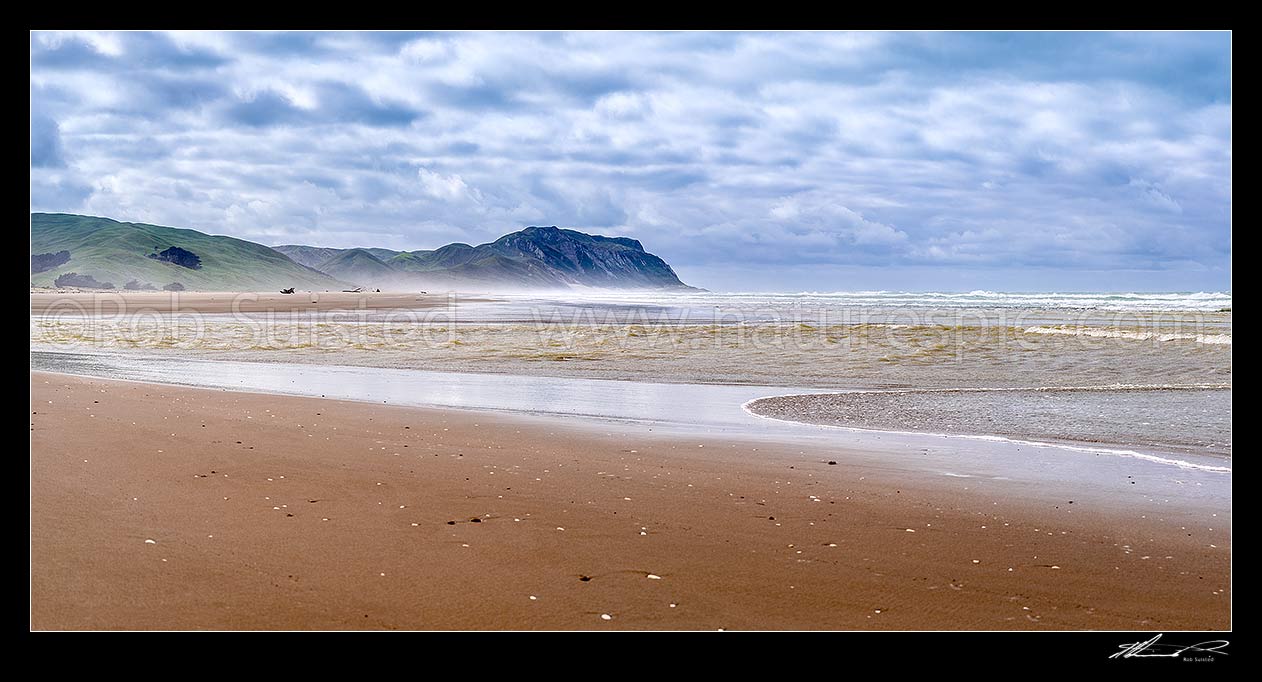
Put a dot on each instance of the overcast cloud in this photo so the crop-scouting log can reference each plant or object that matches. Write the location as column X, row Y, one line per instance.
column 748, row 161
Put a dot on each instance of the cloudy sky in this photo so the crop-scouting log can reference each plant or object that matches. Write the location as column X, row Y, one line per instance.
column 763, row 161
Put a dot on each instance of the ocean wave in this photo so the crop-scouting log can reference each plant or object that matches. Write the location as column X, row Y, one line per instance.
column 1199, row 301
column 1132, row 335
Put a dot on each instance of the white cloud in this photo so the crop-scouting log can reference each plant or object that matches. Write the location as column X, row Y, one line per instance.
column 623, row 105
column 446, row 187
column 847, row 149
column 426, row 51
column 823, row 217
column 1153, row 195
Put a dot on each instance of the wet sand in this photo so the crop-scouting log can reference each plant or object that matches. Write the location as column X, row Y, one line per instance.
column 273, row 512
column 122, row 303
column 1194, row 421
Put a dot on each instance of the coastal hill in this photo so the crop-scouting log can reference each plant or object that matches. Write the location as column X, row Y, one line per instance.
column 536, row 257
column 91, row 252
column 130, row 255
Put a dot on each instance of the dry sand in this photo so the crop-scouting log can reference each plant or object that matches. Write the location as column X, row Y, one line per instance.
column 160, row 507
column 119, row 303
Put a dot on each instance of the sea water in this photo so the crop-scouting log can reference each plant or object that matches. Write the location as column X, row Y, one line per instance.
column 1141, row 369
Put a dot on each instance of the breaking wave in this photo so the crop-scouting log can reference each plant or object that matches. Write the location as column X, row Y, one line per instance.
column 1132, row 335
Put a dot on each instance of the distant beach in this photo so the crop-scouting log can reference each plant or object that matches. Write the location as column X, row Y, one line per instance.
column 95, row 303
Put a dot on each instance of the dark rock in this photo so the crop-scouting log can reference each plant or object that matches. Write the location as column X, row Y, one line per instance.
column 173, row 286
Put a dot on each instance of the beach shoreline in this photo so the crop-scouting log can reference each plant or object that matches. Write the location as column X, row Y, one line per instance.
column 122, row 303
column 910, row 411
column 853, row 545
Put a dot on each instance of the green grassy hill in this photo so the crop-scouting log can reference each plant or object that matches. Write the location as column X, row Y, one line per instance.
column 115, row 252
column 357, row 265
column 382, row 254
column 100, row 250
column 314, row 256
column 449, row 256
column 310, row 256
column 494, row 268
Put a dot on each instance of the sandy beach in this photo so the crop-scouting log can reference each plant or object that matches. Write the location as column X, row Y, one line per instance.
column 638, row 331
column 161, row 507
column 126, row 302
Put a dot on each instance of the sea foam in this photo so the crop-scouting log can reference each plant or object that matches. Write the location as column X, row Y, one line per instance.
column 1109, row 333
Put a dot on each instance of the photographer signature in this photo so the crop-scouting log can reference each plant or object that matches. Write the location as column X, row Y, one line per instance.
column 1152, row 649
